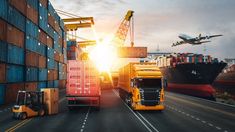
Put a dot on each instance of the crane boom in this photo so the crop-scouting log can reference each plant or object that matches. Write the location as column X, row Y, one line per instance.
column 122, row 31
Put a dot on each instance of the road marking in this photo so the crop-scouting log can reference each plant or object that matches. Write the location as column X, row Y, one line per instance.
column 135, row 114
column 84, row 122
column 218, row 128
column 12, row 129
column 210, row 124
column 203, row 106
column 203, row 121
column 148, row 122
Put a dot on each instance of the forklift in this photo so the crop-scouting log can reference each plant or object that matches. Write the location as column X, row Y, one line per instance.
column 29, row 104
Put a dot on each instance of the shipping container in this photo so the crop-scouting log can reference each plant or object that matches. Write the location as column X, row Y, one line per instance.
column 43, row 3
column 16, row 18
column 57, row 56
column 42, row 61
column 56, row 64
column 31, row 59
column 42, row 85
column 43, row 18
column 33, row 3
column 3, row 30
column 31, row 74
column 32, row 86
column 41, row 49
column 15, row 55
column 51, row 20
column 42, row 37
column 2, row 73
column 56, row 75
column 50, row 75
column 32, row 14
column 50, row 31
column 51, row 9
column 50, row 42
column 50, row 53
column 20, row 6
column 62, row 84
column 11, row 92
column 50, row 84
column 62, row 24
column 3, row 9
column 62, row 75
column 15, row 36
column 42, row 74
column 3, row 51
column 51, row 99
column 2, row 94
column 31, row 29
column 56, row 83
column 14, row 73
column 31, row 44
column 50, row 63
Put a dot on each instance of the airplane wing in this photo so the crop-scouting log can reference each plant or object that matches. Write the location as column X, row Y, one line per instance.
column 178, row 43
column 209, row 37
column 203, row 42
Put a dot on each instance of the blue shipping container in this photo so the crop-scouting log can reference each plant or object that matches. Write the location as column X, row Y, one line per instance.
column 50, row 63
column 60, row 67
column 15, row 55
column 42, row 85
column 15, row 73
column 41, row 49
column 50, row 31
column 56, row 65
column 62, row 75
column 42, row 74
column 71, row 43
column 16, row 19
column 56, row 83
column 31, row 44
column 2, row 94
column 31, row 74
column 50, row 52
column 43, row 18
column 3, row 51
column 33, row 3
column 3, row 9
column 62, row 24
column 51, row 9
column 50, row 84
column 31, row 29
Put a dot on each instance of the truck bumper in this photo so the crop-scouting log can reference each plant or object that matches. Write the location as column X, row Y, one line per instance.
column 83, row 101
column 143, row 107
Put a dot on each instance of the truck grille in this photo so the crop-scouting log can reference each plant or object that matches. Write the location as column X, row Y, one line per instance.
column 150, row 97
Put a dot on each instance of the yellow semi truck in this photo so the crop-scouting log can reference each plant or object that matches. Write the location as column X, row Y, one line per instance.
column 141, row 86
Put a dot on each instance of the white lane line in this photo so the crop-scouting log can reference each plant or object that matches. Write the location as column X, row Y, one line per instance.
column 210, row 124
column 134, row 113
column 218, row 128
column 203, row 121
column 148, row 122
column 84, row 122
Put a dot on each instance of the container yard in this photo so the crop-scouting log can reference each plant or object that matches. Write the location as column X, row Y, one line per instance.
column 125, row 66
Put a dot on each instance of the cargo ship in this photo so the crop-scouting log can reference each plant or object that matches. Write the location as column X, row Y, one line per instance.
column 191, row 74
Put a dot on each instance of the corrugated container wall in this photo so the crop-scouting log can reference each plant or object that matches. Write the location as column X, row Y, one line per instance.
column 32, row 47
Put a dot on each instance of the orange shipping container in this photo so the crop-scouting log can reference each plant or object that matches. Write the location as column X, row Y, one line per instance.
column 51, row 99
column 32, row 14
column 20, row 6
column 42, row 61
column 56, row 75
column 50, row 75
column 11, row 92
column 42, row 37
column 15, row 36
column 49, row 41
column 44, row 3
column 62, row 84
column 51, row 20
column 61, row 58
column 3, row 28
column 31, row 86
column 2, row 73
column 56, row 56
column 32, row 58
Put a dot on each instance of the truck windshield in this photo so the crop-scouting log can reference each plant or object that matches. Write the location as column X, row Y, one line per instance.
column 149, row 83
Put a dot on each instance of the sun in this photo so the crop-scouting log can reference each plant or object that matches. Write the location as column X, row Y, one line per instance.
column 104, row 55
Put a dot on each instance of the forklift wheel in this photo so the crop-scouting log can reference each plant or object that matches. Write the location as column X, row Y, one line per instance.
column 41, row 112
column 23, row 116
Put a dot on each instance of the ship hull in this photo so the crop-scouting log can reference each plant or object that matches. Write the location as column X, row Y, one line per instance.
column 193, row 79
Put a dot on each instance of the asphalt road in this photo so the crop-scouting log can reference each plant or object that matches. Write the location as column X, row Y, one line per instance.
column 182, row 113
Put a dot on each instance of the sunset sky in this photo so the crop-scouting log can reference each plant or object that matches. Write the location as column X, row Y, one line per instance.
column 159, row 22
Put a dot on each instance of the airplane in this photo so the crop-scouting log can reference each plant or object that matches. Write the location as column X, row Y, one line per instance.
column 193, row 41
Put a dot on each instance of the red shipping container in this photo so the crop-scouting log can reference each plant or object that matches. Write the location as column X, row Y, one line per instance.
column 3, row 29
column 32, row 59
column 82, row 79
column 57, row 27
column 44, row 3
column 42, row 61
column 50, row 75
column 19, row 5
column 49, row 41
column 32, row 14
column 56, row 74
column 15, row 36
column 51, row 20
column 32, row 86
column 11, row 92
column 56, row 56
column 2, row 73
column 42, row 36
column 62, row 84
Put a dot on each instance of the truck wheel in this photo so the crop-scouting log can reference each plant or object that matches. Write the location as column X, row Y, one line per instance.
column 23, row 116
column 41, row 112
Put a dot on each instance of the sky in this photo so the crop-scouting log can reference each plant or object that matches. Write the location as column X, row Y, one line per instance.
column 159, row 22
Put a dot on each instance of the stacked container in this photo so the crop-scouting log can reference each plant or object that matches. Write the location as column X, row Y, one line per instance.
column 73, row 50
column 32, row 47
